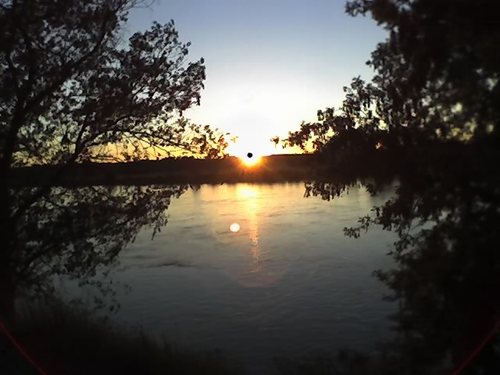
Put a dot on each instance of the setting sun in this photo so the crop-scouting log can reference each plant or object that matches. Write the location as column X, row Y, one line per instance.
column 245, row 144
column 249, row 153
column 250, row 160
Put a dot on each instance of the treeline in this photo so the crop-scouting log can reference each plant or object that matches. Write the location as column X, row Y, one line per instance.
column 274, row 168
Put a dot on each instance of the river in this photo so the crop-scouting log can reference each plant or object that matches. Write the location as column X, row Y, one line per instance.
column 258, row 271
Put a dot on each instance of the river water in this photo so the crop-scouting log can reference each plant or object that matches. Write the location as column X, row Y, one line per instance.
column 258, row 271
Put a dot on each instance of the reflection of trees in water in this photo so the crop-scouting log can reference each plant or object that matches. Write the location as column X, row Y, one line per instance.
column 447, row 273
column 73, row 232
column 430, row 115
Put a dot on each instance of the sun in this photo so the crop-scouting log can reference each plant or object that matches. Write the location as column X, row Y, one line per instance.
column 249, row 151
column 250, row 160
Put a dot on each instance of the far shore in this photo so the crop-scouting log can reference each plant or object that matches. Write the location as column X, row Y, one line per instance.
column 273, row 168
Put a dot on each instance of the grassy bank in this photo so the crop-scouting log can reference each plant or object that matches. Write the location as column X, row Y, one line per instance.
column 66, row 340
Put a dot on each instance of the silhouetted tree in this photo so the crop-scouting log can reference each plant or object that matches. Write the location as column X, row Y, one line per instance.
column 437, row 71
column 70, row 86
column 436, row 78
column 431, row 116
column 71, row 90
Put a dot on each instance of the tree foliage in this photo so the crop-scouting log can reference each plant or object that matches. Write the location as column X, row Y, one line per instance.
column 72, row 90
column 431, row 117
column 436, row 76
column 70, row 87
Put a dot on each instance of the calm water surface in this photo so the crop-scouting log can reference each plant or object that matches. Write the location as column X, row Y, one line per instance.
column 287, row 283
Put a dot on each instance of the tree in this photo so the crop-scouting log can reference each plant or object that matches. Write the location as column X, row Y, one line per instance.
column 71, row 90
column 437, row 69
column 70, row 87
column 430, row 116
column 437, row 76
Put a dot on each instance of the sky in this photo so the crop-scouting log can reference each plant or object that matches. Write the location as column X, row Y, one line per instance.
column 270, row 64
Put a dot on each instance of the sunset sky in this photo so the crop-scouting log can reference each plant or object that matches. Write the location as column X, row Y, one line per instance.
column 271, row 64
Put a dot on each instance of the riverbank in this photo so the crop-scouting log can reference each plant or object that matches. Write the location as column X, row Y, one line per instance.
column 59, row 339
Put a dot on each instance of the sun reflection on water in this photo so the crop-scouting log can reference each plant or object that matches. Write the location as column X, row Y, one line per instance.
column 251, row 203
column 248, row 192
column 255, row 267
column 234, row 227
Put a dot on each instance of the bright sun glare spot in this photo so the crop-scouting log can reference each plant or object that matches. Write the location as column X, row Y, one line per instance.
column 250, row 159
column 234, row 227
column 250, row 151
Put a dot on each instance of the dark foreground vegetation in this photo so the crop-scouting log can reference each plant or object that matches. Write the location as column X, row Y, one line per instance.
column 69, row 340
column 56, row 338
